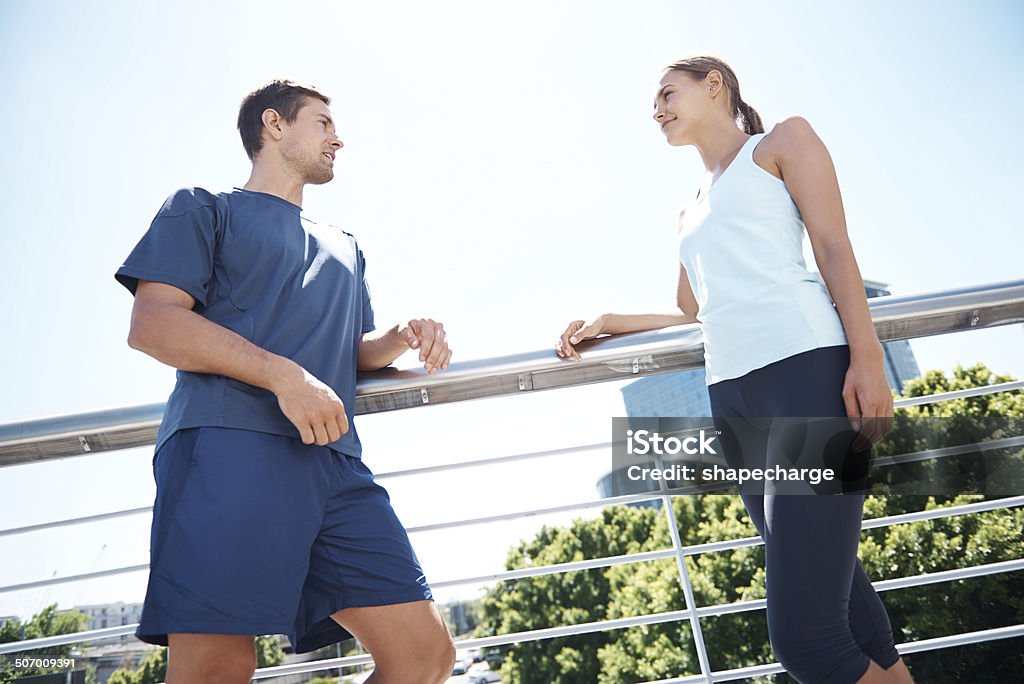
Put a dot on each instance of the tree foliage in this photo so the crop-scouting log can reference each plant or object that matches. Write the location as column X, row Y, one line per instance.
column 48, row 622
column 153, row 668
column 740, row 639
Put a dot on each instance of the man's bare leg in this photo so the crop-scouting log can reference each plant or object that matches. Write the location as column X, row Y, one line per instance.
column 210, row 658
column 408, row 641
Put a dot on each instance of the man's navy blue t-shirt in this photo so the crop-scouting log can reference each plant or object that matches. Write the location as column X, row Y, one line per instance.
column 287, row 284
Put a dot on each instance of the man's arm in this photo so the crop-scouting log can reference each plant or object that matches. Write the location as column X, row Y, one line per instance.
column 378, row 349
column 165, row 327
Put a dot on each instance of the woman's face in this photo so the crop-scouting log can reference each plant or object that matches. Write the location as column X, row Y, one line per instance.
column 680, row 103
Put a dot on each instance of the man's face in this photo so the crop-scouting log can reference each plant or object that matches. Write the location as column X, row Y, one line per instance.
column 310, row 142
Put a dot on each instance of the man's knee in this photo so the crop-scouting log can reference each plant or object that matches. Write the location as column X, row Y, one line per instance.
column 429, row 661
column 438, row 657
column 444, row 655
column 202, row 659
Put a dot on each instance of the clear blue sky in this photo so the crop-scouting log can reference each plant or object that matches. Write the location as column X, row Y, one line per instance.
column 502, row 174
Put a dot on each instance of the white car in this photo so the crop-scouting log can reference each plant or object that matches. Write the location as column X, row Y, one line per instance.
column 484, row 677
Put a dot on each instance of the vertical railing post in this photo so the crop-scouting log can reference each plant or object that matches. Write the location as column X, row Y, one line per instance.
column 684, row 575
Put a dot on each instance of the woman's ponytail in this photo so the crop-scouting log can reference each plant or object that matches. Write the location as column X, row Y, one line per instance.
column 743, row 113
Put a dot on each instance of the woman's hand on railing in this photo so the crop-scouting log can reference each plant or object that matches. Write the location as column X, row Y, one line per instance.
column 576, row 332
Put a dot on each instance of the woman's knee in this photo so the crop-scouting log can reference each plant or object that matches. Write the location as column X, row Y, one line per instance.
column 817, row 658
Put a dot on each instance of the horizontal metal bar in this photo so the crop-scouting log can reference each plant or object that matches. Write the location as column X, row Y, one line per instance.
column 719, row 676
column 960, row 394
column 564, row 630
column 710, row 547
column 76, row 521
column 594, row 503
column 951, row 641
column 64, row 639
column 79, row 434
column 884, row 585
column 879, row 462
column 944, row 452
column 543, row 453
column 610, row 358
column 313, row 666
column 73, row 578
column 949, row 575
column 943, row 512
column 964, row 639
column 558, row 568
column 704, row 611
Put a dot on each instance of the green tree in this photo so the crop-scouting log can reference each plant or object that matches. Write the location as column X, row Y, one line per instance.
column 268, row 651
column 153, row 668
column 567, row 598
column 741, row 639
column 935, row 610
column 48, row 622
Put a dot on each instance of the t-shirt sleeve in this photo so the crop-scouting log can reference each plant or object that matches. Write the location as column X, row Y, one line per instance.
column 368, row 324
column 178, row 249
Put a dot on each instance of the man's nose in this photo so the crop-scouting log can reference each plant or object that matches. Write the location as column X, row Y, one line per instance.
column 336, row 143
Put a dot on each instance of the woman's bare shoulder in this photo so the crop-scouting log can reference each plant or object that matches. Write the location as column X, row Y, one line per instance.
column 788, row 139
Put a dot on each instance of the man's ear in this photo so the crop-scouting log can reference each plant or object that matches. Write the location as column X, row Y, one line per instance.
column 272, row 123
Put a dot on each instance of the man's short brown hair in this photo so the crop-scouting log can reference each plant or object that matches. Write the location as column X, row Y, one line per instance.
column 284, row 97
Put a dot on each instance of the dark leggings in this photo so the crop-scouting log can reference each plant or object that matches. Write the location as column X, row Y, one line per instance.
column 825, row 620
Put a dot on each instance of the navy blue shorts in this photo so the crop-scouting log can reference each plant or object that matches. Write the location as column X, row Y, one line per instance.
column 255, row 533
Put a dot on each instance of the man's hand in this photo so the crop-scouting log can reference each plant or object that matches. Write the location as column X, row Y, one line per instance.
column 428, row 336
column 378, row 349
column 311, row 406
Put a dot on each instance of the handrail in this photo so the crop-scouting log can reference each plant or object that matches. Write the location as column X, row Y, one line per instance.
column 544, row 453
column 691, row 550
column 606, row 359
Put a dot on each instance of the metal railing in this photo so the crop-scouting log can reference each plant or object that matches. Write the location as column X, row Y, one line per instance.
column 607, row 359
column 612, row 358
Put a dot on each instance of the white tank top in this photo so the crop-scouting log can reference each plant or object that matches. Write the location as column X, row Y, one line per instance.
column 742, row 246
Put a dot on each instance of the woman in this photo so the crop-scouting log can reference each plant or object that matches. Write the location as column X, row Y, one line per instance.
column 776, row 347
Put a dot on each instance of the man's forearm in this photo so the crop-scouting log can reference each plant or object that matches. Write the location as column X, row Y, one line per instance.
column 380, row 348
column 185, row 340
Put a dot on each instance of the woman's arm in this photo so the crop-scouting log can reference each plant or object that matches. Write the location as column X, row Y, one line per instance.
column 810, row 177
column 614, row 324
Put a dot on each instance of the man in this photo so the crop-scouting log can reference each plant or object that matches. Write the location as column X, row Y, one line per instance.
column 266, row 520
